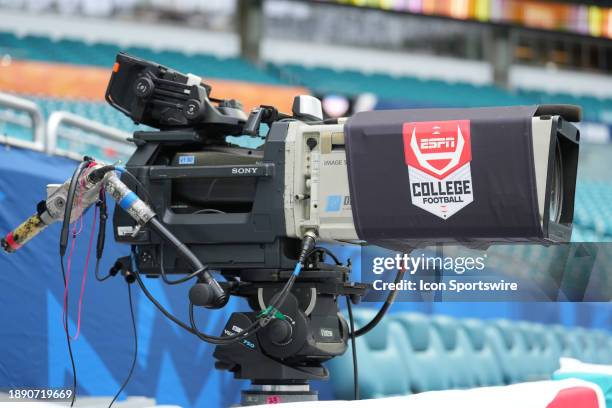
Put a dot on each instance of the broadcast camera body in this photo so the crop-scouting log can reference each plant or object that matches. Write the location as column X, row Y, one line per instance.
column 228, row 205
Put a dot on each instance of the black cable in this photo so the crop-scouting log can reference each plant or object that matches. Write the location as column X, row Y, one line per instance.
column 74, row 374
column 69, row 203
column 252, row 328
column 209, row 210
column 349, row 307
column 72, row 187
column 152, row 299
column 262, row 320
column 383, row 310
column 97, row 274
column 219, row 340
column 173, row 318
column 163, row 270
column 101, row 236
column 222, row 340
column 129, row 376
column 324, row 251
column 220, row 297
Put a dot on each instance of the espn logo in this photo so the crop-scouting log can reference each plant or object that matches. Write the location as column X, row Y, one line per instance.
column 438, row 156
column 437, row 143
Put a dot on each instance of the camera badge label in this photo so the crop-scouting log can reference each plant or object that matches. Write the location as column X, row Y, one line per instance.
column 438, row 156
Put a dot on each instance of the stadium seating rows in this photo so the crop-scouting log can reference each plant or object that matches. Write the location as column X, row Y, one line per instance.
column 592, row 208
column 324, row 80
column 409, row 352
column 100, row 112
column 38, row 48
column 417, row 92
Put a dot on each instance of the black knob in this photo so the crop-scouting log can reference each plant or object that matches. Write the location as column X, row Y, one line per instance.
column 130, row 277
column 144, row 87
column 280, row 332
column 193, row 109
column 311, row 143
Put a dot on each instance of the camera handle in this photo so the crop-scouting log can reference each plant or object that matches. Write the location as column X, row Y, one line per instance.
column 264, row 113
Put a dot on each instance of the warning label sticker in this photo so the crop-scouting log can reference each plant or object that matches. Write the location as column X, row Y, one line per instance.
column 438, row 156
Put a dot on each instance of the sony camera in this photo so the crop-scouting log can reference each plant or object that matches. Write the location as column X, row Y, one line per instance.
column 399, row 179
column 392, row 178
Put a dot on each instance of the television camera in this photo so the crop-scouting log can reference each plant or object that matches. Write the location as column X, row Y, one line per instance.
column 191, row 203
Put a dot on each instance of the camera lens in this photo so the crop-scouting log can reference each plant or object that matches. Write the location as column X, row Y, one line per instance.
column 556, row 192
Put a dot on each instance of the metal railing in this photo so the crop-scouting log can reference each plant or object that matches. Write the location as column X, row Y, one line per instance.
column 113, row 137
column 78, row 130
column 37, row 122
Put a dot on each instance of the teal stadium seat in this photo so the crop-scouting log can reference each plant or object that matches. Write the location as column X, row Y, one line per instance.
column 464, row 362
column 568, row 343
column 457, row 351
column 510, row 349
column 552, row 350
column 542, row 352
column 603, row 346
column 424, row 357
column 383, row 371
column 587, row 345
column 487, row 368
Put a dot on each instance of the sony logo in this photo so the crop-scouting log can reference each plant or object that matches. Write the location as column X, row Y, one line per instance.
column 244, row 170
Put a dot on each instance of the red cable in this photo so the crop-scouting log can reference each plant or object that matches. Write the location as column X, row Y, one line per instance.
column 91, row 236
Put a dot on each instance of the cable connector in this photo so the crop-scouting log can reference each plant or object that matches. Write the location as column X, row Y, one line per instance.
column 270, row 311
column 308, row 243
column 96, row 176
column 268, row 314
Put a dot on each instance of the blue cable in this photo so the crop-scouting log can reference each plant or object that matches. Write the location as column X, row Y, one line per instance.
column 298, row 269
